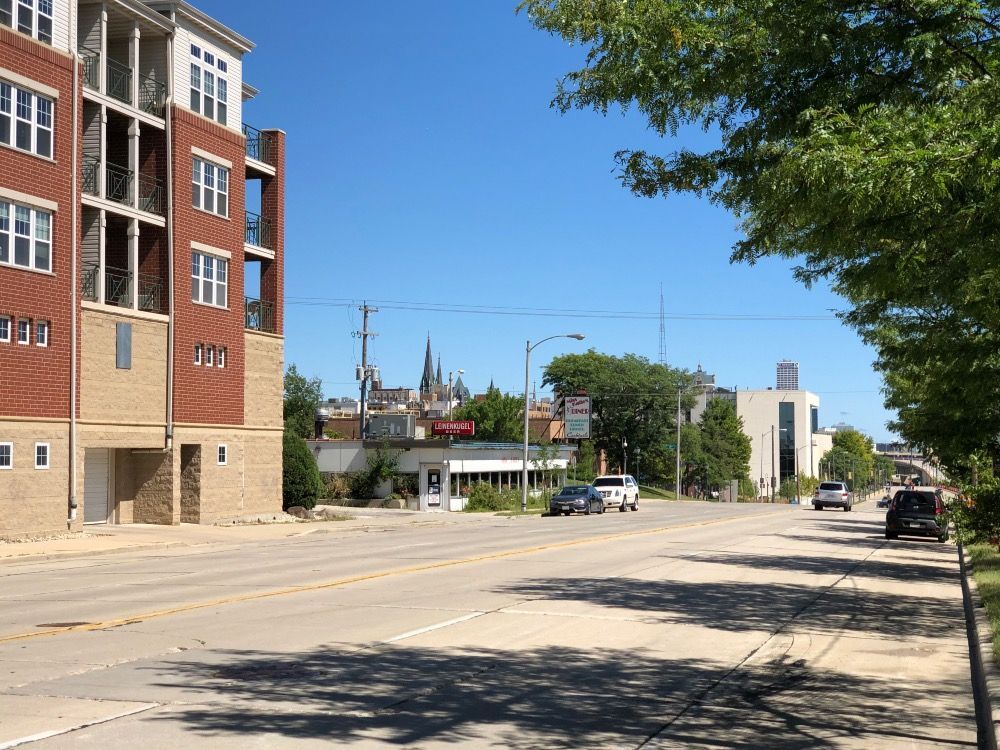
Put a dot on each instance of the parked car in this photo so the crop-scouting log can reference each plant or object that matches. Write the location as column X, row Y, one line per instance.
column 577, row 498
column 918, row 513
column 619, row 490
column 832, row 495
column 883, row 502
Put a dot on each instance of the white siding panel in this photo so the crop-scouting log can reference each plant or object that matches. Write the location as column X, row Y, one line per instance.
column 235, row 113
column 182, row 67
column 60, row 26
column 184, row 37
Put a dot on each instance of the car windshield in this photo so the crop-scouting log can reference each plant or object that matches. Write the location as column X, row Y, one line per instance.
column 922, row 502
column 570, row 491
column 609, row 482
column 831, row 486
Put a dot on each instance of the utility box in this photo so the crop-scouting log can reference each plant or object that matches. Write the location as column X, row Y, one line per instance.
column 392, row 426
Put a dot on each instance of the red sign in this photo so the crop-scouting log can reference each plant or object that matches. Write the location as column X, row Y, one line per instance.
column 453, row 428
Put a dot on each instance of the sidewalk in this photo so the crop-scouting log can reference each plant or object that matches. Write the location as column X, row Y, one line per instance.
column 107, row 539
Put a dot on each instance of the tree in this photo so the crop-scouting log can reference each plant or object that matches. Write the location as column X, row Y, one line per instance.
column 724, row 445
column 631, row 398
column 302, row 398
column 855, row 137
column 300, row 480
column 499, row 418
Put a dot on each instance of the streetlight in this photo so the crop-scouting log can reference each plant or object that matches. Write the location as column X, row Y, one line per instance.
column 528, row 346
column 624, row 455
column 460, row 373
column 638, row 452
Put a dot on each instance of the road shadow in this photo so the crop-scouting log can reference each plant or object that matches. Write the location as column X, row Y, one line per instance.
column 536, row 699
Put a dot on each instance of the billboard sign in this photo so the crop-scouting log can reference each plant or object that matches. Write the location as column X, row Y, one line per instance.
column 465, row 428
column 577, row 411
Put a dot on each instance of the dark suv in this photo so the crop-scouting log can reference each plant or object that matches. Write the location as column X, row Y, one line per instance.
column 917, row 513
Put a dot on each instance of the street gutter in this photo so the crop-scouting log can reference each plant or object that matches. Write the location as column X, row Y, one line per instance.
column 985, row 673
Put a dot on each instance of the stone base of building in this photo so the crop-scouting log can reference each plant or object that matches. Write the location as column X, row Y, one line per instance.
column 125, row 474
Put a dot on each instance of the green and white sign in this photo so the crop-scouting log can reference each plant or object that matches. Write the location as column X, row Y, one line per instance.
column 577, row 410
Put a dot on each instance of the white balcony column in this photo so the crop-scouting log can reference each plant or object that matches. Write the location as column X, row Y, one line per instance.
column 133, row 262
column 102, row 62
column 102, row 261
column 133, row 160
column 102, row 165
column 133, row 62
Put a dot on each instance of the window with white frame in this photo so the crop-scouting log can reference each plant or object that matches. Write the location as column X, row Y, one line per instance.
column 4, row 329
column 209, row 356
column 42, row 333
column 6, row 456
column 223, row 454
column 25, row 120
column 41, row 455
column 209, row 86
column 222, row 356
column 197, row 354
column 24, row 331
column 25, row 237
column 210, row 187
column 34, row 17
column 209, row 279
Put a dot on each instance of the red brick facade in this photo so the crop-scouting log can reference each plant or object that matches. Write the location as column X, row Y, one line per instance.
column 35, row 381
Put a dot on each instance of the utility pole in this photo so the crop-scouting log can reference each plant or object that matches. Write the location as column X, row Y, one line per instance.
column 364, row 372
column 677, row 488
column 773, row 480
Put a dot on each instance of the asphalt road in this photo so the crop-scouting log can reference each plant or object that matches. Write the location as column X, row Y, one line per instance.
column 685, row 625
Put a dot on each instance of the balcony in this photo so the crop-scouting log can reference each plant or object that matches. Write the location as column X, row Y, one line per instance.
column 259, row 315
column 118, row 80
column 258, row 231
column 118, row 185
column 152, row 96
column 119, row 287
column 91, row 68
column 259, row 145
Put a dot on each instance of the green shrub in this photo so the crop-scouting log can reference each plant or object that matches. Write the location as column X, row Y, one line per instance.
column 300, row 480
column 362, row 485
column 484, row 497
column 338, row 487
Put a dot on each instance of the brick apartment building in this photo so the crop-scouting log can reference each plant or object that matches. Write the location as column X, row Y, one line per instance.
column 141, row 338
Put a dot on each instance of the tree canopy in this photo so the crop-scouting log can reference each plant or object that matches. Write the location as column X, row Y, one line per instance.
column 302, row 398
column 498, row 417
column 858, row 138
column 724, row 444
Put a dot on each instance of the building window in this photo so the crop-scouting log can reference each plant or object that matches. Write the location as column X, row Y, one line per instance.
column 6, row 456
column 209, row 279
column 34, row 17
column 197, row 354
column 27, row 240
column 42, row 333
column 222, row 356
column 25, row 120
column 786, row 441
column 222, row 454
column 210, row 187
column 209, row 89
column 209, row 356
column 23, row 331
column 41, row 455
column 4, row 329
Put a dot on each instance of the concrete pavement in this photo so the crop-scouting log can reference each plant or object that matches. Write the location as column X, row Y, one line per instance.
column 683, row 625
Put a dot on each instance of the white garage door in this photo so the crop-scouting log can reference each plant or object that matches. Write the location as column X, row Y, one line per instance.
column 97, row 469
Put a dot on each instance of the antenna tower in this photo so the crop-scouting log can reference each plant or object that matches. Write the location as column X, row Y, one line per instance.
column 663, row 331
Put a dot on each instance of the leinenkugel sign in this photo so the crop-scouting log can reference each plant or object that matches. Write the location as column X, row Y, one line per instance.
column 577, row 413
column 453, row 428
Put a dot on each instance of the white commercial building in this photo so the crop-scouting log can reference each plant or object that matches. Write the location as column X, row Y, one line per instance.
column 783, row 427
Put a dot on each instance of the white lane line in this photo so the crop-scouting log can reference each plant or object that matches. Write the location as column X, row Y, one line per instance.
column 428, row 629
column 56, row 732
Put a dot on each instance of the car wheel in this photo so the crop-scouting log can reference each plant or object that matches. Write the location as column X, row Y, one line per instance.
column 817, row 507
column 623, row 507
column 601, row 508
column 635, row 503
column 943, row 537
column 847, row 508
column 586, row 511
column 567, row 512
column 891, row 535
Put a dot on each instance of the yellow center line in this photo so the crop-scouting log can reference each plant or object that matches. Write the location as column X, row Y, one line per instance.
column 336, row 583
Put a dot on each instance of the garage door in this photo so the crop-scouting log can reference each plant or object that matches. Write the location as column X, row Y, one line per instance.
column 97, row 470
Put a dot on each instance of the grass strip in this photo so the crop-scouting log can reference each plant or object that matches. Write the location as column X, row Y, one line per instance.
column 986, row 571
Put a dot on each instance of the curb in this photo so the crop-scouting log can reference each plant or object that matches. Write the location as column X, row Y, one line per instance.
column 985, row 672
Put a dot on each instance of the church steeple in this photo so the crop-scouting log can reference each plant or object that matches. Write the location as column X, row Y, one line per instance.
column 438, row 379
column 427, row 379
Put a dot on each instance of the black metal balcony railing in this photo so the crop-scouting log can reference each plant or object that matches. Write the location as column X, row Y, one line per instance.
column 150, row 293
column 259, row 145
column 259, row 315
column 118, row 184
column 91, row 68
column 119, row 81
column 91, row 175
column 152, row 96
column 88, row 285
column 151, row 194
column 118, row 287
column 258, row 231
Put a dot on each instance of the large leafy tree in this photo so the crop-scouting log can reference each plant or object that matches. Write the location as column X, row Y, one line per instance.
column 858, row 137
column 724, row 445
column 631, row 399
column 498, row 417
column 302, row 398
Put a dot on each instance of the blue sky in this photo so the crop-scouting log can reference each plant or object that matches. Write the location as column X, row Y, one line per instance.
column 425, row 165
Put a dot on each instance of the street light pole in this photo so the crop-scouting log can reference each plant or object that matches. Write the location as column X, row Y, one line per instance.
column 528, row 346
column 450, row 399
column 624, row 455
column 677, row 447
column 773, row 483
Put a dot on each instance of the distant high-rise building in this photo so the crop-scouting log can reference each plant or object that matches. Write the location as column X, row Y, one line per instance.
column 788, row 375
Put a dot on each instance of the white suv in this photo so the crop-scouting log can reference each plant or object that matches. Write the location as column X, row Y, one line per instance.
column 619, row 489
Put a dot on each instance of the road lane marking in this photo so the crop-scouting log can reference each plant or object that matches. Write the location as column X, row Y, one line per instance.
column 430, row 628
column 56, row 732
column 392, row 572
